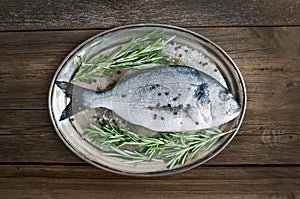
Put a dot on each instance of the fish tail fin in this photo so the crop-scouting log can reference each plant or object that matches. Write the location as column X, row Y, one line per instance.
column 66, row 87
column 77, row 99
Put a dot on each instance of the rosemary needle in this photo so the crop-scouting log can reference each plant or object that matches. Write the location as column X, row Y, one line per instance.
column 172, row 148
column 140, row 53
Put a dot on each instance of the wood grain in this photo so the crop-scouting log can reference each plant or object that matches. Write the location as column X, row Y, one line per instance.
column 266, row 57
column 54, row 181
column 33, row 139
column 78, row 14
column 262, row 37
column 269, row 66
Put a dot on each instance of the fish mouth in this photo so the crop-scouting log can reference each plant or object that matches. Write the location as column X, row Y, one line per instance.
column 235, row 112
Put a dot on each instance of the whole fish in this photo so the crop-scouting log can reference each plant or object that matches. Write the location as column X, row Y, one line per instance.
column 165, row 99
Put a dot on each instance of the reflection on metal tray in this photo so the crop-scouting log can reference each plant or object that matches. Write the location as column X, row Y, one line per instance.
column 187, row 48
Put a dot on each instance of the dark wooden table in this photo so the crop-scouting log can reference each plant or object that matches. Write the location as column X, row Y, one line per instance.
column 262, row 37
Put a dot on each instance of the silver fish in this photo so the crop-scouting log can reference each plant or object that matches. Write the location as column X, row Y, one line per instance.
column 165, row 99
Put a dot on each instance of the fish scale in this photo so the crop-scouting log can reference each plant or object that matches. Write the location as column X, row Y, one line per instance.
column 170, row 98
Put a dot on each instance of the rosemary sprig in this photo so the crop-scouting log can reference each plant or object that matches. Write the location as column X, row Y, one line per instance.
column 139, row 53
column 172, row 148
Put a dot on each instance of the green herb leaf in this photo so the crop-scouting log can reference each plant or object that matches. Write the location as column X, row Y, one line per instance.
column 173, row 148
column 140, row 53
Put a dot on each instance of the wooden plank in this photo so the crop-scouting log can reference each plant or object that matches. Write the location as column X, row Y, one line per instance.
column 76, row 14
column 26, row 74
column 47, row 181
column 263, row 146
column 267, row 57
column 270, row 68
column 256, row 122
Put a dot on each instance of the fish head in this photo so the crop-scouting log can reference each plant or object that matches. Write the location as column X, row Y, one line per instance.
column 224, row 106
column 218, row 105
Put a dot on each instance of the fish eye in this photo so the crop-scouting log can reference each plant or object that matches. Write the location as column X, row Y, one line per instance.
column 224, row 96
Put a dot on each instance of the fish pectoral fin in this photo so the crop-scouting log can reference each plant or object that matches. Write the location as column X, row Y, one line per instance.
column 206, row 113
column 192, row 114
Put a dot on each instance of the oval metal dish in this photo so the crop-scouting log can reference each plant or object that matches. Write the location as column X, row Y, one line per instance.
column 70, row 132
